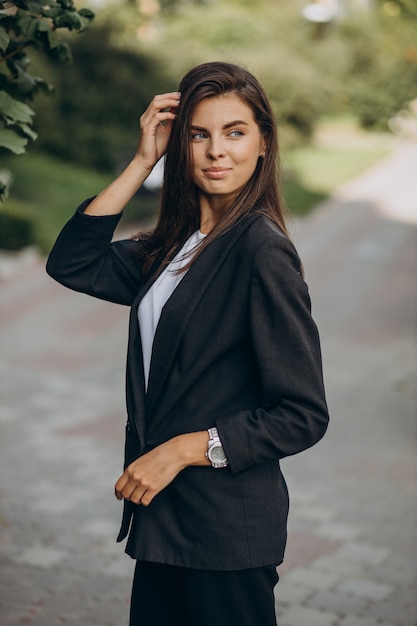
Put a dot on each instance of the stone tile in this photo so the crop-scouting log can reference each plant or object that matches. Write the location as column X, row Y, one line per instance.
column 121, row 568
column 287, row 593
column 41, row 556
column 363, row 553
column 304, row 548
column 362, row 621
column 301, row 616
column 336, row 530
column 311, row 579
column 399, row 611
column 317, row 513
column 340, row 603
column 337, row 566
column 365, row 588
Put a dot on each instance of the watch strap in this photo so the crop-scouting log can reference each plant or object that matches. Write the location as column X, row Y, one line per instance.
column 214, row 441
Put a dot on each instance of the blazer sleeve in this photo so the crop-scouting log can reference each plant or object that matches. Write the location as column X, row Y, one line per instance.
column 293, row 415
column 85, row 259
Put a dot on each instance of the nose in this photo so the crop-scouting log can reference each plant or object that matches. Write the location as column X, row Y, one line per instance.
column 215, row 149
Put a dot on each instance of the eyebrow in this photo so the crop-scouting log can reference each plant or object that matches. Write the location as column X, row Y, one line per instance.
column 225, row 127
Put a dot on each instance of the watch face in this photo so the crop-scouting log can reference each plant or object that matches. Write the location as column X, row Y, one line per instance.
column 217, row 455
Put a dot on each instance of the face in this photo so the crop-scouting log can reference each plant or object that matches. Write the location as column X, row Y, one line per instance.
column 226, row 143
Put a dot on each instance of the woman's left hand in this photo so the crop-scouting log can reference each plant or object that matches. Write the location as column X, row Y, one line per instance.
column 143, row 479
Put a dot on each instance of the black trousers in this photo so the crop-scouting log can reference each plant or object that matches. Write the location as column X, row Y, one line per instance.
column 164, row 595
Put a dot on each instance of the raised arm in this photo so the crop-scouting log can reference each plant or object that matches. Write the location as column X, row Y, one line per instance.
column 155, row 124
column 84, row 257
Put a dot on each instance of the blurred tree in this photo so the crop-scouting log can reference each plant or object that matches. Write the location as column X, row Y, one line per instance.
column 366, row 64
column 93, row 119
column 408, row 8
column 381, row 77
column 29, row 24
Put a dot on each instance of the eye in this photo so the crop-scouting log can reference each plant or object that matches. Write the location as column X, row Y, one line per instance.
column 236, row 133
column 197, row 136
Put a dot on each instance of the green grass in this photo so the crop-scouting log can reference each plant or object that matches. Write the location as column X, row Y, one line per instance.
column 47, row 191
column 340, row 151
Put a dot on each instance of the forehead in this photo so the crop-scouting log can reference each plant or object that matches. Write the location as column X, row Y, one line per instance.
column 221, row 110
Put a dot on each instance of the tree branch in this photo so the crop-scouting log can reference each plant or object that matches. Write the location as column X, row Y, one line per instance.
column 11, row 54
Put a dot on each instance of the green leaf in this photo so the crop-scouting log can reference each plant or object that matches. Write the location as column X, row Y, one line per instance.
column 10, row 140
column 63, row 53
column 50, row 12
column 72, row 21
column 66, row 4
column 34, row 7
column 25, row 24
column 21, row 4
column 24, row 85
column 43, row 26
column 27, row 130
column 54, row 39
column 87, row 13
column 14, row 111
column 4, row 39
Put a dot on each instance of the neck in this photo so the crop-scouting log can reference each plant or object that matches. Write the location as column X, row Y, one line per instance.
column 212, row 208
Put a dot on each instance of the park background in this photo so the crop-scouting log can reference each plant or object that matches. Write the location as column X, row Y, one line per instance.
column 342, row 89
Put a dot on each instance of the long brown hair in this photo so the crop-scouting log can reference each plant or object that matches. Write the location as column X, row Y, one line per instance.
column 179, row 214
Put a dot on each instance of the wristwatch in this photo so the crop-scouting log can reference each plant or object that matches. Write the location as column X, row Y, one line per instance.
column 215, row 452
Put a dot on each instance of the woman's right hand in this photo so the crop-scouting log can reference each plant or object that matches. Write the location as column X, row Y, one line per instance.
column 156, row 125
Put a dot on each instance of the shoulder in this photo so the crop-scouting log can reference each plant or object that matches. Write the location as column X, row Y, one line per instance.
column 266, row 245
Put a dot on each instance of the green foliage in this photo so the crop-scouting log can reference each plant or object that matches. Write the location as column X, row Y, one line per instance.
column 381, row 76
column 269, row 40
column 28, row 24
column 94, row 117
column 46, row 192
column 366, row 63
column 340, row 151
column 17, row 115
column 49, row 204
column 16, row 229
column 406, row 8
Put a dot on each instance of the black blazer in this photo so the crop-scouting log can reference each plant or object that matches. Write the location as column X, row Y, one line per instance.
column 235, row 348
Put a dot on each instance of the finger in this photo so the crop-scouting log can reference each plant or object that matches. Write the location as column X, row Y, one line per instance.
column 120, row 485
column 147, row 497
column 133, row 493
column 137, row 496
column 171, row 95
column 130, row 491
column 148, row 124
column 159, row 104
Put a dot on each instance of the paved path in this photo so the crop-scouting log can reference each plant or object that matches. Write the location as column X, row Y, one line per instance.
column 351, row 558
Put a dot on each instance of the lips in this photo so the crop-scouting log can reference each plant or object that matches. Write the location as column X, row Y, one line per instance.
column 216, row 172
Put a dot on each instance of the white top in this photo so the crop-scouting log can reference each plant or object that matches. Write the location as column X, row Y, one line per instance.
column 153, row 302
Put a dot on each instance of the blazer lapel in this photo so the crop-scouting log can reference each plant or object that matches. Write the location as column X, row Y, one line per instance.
column 180, row 307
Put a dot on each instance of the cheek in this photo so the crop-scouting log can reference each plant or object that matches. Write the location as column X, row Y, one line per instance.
column 247, row 162
column 196, row 155
column 247, row 155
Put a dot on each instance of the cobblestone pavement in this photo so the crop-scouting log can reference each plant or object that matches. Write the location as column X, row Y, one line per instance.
column 351, row 558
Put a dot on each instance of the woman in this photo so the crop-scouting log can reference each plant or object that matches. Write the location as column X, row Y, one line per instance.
column 224, row 370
